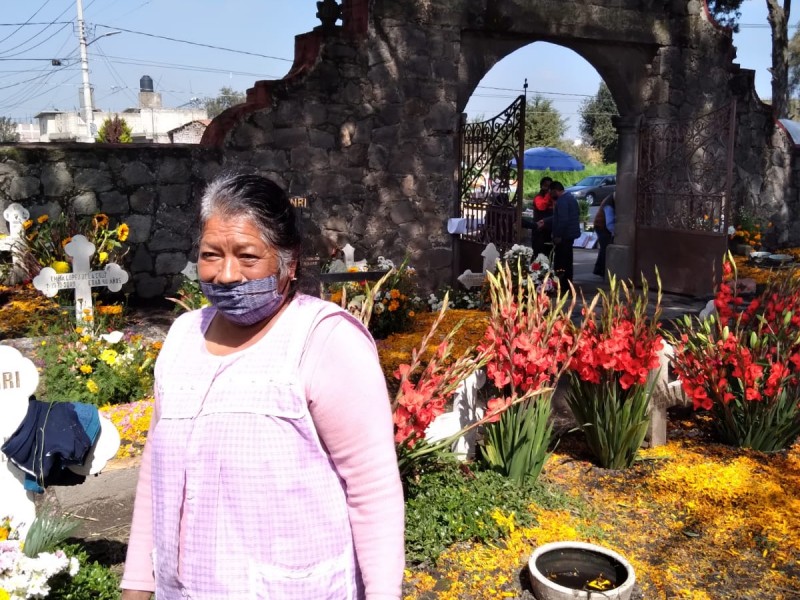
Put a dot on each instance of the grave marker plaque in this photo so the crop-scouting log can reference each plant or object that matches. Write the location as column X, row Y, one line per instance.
column 82, row 280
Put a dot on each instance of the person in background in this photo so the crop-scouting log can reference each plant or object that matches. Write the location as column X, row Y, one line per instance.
column 604, row 222
column 270, row 467
column 542, row 209
column 565, row 228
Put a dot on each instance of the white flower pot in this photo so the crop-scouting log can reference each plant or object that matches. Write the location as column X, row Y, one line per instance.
column 562, row 570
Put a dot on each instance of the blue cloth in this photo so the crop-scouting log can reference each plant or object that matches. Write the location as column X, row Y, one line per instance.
column 52, row 436
column 611, row 219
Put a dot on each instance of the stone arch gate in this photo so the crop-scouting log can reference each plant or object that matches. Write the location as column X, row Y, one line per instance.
column 367, row 118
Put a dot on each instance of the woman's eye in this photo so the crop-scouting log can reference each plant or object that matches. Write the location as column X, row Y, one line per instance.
column 207, row 255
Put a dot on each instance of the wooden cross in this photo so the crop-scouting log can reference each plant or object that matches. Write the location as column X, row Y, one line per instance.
column 81, row 279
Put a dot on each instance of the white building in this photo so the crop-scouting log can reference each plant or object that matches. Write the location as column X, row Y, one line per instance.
column 149, row 122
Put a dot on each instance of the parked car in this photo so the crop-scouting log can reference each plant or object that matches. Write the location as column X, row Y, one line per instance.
column 594, row 188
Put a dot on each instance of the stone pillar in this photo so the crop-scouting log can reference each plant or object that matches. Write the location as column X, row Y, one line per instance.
column 620, row 256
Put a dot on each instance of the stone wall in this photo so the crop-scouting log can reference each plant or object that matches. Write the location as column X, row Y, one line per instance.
column 150, row 187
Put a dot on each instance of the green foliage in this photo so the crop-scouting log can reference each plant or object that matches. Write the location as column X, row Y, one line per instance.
column 8, row 130
column 583, row 209
column 92, row 582
column 726, row 12
column 80, row 366
column 456, row 504
column 226, row 98
column 516, row 445
column 597, row 127
column 190, row 296
column 568, row 178
column 114, row 130
column 613, row 420
column 46, row 241
column 544, row 125
column 47, row 532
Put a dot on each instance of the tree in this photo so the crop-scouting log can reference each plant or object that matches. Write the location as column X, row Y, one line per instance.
column 8, row 130
column 727, row 13
column 597, row 127
column 544, row 125
column 114, row 131
column 794, row 75
column 226, row 98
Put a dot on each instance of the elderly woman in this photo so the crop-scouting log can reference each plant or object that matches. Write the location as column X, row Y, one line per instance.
column 270, row 469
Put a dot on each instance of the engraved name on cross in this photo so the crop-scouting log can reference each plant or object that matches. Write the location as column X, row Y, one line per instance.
column 81, row 279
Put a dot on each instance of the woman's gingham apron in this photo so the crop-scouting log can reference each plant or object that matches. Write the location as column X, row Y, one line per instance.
column 246, row 503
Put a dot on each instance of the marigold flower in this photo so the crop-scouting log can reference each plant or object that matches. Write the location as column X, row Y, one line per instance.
column 100, row 220
column 42, row 219
column 27, row 224
column 86, row 369
column 122, row 232
column 60, row 266
column 109, row 356
column 102, row 257
column 66, row 241
column 92, row 386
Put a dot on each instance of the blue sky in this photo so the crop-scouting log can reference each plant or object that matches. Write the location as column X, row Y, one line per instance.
column 182, row 71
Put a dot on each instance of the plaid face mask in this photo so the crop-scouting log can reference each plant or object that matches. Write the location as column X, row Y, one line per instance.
column 245, row 303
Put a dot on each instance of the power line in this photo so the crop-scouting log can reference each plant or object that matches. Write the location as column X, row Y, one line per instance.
column 21, row 25
column 30, row 39
column 31, row 24
column 171, row 39
column 144, row 63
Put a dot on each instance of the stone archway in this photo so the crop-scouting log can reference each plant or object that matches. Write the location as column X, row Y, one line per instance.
column 367, row 118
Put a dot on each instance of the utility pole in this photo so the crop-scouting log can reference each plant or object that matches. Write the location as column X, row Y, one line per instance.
column 87, row 89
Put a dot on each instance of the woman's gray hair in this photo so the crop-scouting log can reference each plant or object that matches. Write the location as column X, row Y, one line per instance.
column 263, row 202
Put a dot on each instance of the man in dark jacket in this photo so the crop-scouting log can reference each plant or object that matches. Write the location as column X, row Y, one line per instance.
column 565, row 227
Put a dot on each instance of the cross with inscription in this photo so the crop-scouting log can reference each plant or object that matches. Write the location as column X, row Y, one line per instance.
column 82, row 280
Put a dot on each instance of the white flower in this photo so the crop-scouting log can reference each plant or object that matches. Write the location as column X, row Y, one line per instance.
column 113, row 337
column 731, row 230
column 378, row 308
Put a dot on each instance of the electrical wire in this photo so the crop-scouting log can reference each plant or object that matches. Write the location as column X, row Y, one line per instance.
column 171, row 39
column 21, row 25
column 125, row 61
column 36, row 35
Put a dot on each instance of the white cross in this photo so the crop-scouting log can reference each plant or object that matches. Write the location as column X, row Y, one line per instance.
column 81, row 279
column 469, row 279
column 14, row 242
column 18, row 380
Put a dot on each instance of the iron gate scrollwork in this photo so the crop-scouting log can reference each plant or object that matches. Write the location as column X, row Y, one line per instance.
column 490, row 200
column 685, row 173
column 683, row 203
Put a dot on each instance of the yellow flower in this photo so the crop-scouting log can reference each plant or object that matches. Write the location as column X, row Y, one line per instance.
column 100, row 220
column 108, row 356
column 42, row 219
column 86, row 369
column 102, row 257
column 122, row 232
column 3, row 534
column 65, row 241
column 92, row 386
column 27, row 224
column 59, row 266
column 86, row 339
column 79, row 330
column 4, row 595
column 110, row 309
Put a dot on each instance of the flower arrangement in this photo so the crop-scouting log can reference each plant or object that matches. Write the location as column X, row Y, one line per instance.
column 47, row 237
column 743, row 363
column 424, row 390
column 395, row 303
column 610, row 374
column 24, row 311
column 86, row 365
column 529, row 342
column 747, row 231
column 523, row 265
column 27, row 567
column 460, row 299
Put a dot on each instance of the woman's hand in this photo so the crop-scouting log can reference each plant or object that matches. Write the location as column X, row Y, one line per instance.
column 136, row 595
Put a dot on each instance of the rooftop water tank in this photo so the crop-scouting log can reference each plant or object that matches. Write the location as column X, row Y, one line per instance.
column 146, row 84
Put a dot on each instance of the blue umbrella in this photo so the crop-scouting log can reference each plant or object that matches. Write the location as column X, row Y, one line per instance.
column 544, row 158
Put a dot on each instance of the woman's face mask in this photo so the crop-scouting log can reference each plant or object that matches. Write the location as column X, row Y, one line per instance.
column 245, row 303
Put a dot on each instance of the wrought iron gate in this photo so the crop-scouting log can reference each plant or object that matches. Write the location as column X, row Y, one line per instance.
column 684, row 186
column 488, row 208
